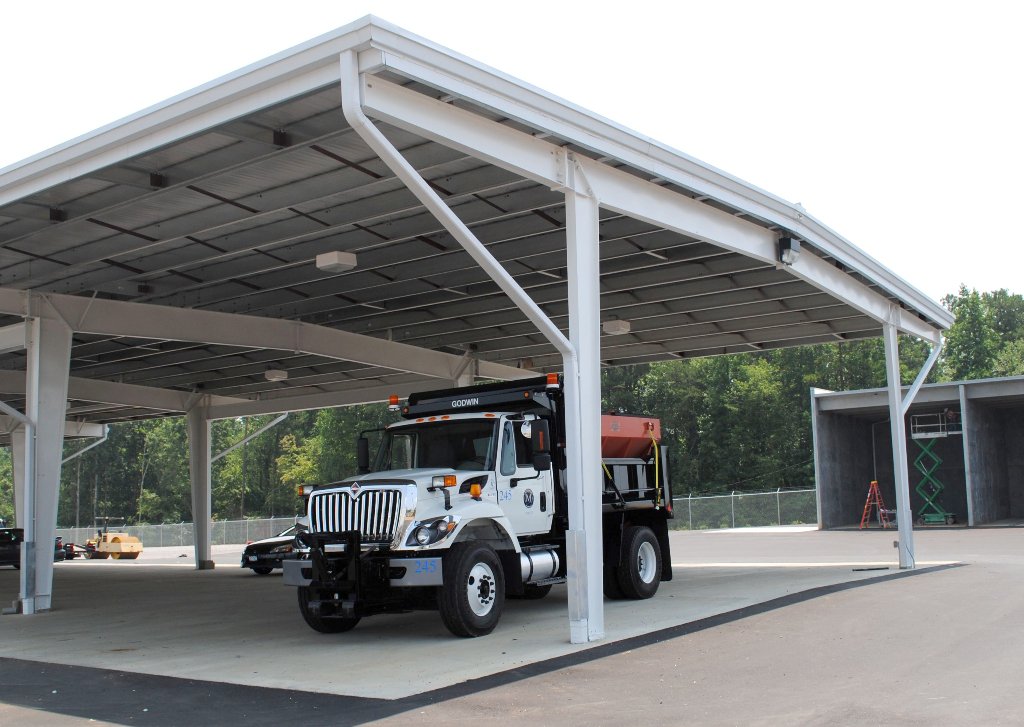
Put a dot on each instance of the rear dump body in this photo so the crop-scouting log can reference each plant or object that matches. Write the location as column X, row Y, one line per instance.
column 468, row 505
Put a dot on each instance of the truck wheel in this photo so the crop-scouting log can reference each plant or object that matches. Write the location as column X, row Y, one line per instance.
column 262, row 570
column 325, row 625
column 639, row 572
column 473, row 594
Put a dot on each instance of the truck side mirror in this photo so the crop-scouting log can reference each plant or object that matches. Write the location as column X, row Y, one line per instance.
column 540, row 437
column 542, row 461
column 363, row 455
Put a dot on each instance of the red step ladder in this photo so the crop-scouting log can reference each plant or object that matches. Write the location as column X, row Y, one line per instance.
column 874, row 500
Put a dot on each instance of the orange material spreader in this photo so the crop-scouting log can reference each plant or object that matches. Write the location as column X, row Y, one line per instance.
column 626, row 435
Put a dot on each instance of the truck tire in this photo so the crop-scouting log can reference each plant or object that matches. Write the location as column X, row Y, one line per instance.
column 612, row 589
column 325, row 625
column 262, row 570
column 473, row 594
column 639, row 570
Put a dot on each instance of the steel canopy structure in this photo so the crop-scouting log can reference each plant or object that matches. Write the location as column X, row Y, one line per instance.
column 166, row 264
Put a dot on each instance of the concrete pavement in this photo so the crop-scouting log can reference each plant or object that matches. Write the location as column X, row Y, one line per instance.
column 735, row 613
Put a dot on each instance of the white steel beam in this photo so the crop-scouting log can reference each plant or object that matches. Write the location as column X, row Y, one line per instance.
column 898, row 432
column 12, row 338
column 72, row 429
column 908, row 399
column 111, row 392
column 625, row 193
column 352, row 106
column 245, row 440
column 629, row 195
column 141, row 320
column 326, row 400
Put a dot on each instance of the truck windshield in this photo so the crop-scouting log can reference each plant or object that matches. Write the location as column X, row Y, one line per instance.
column 467, row 444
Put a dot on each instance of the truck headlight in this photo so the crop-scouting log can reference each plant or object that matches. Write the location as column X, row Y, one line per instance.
column 287, row 548
column 423, row 535
column 432, row 531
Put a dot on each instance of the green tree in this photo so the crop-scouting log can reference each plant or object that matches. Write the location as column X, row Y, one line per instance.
column 1010, row 360
column 1006, row 312
column 971, row 342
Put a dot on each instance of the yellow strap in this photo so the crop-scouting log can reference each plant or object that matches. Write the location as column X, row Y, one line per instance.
column 607, row 471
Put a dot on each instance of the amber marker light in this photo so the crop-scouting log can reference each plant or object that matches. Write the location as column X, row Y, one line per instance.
column 474, row 491
column 393, row 402
column 552, row 380
column 449, row 481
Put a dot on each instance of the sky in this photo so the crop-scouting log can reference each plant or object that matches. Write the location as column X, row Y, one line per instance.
column 899, row 124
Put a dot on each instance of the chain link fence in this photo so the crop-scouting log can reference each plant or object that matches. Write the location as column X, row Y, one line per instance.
column 224, row 532
column 735, row 510
column 746, row 509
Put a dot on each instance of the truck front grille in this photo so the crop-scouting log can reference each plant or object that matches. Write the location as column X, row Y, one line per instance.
column 376, row 514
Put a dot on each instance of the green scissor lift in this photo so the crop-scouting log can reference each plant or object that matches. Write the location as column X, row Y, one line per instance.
column 925, row 430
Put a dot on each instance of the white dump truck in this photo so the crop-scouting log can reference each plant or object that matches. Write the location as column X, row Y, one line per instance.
column 465, row 504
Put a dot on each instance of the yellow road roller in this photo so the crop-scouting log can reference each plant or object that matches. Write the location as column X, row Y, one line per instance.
column 116, row 545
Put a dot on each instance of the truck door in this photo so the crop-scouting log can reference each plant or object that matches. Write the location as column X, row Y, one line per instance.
column 523, row 493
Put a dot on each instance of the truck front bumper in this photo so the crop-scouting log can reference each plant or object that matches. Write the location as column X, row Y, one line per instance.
column 338, row 560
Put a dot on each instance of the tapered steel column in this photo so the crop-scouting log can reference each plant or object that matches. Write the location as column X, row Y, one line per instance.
column 48, row 354
column 199, row 471
column 583, row 421
column 898, row 431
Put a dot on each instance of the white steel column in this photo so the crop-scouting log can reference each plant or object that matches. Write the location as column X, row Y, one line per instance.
column 202, row 494
column 18, row 472
column 583, row 422
column 898, row 431
column 47, row 361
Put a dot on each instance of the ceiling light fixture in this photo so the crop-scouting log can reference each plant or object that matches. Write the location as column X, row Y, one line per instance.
column 616, row 327
column 336, row 261
column 275, row 375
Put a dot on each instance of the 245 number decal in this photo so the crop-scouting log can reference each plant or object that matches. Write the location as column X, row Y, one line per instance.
column 428, row 565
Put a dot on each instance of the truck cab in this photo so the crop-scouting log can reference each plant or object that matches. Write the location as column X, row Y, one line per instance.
column 491, row 449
